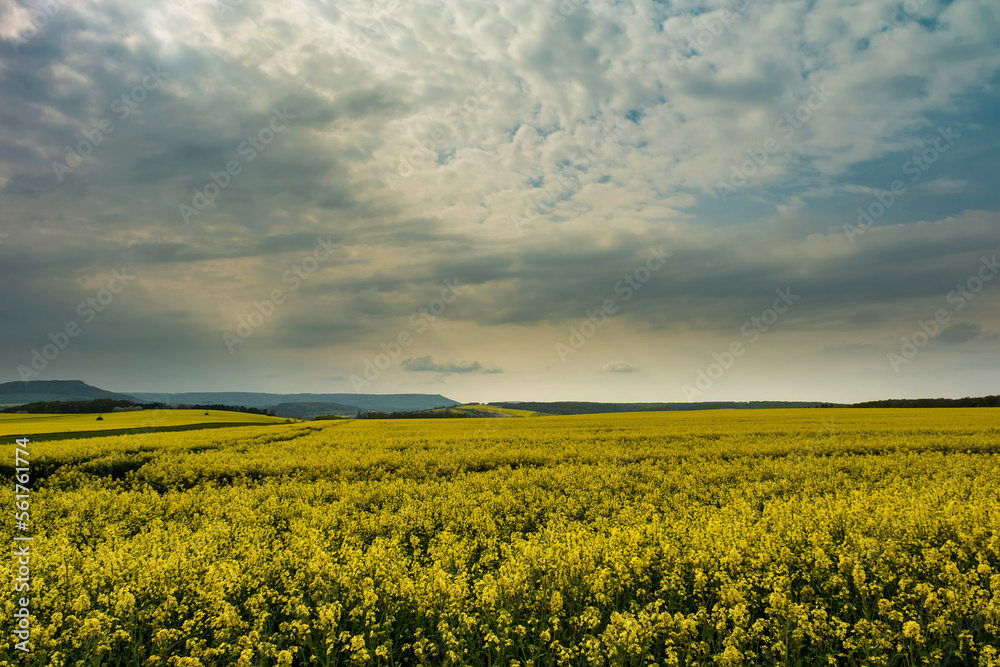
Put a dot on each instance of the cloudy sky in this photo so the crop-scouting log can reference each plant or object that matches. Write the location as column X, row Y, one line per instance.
column 503, row 199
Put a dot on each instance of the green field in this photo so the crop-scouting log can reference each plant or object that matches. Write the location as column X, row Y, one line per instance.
column 61, row 427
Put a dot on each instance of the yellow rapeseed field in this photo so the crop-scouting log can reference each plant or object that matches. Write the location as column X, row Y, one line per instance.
column 722, row 538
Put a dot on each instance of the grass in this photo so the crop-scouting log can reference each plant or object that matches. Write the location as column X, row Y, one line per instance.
column 497, row 410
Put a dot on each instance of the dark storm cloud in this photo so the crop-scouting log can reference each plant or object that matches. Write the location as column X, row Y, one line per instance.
column 714, row 289
column 176, row 134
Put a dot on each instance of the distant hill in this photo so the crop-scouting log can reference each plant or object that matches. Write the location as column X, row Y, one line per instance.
column 36, row 391
column 586, row 408
column 379, row 402
column 39, row 391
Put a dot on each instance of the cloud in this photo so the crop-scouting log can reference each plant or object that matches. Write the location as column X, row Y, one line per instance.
column 962, row 332
column 619, row 367
column 422, row 128
column 429, row 364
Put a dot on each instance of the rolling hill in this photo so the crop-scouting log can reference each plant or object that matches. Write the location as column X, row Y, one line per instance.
column 380, row 402
column 305, row 405
column 18, row 393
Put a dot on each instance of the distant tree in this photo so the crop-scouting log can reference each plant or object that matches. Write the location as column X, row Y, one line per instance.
column 95, row 406
column 418, row 414
column 229, row 408
column 967, row 402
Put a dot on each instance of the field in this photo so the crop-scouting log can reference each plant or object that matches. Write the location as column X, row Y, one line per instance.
column 85, row 425
column 496, row 410
column 757, row 537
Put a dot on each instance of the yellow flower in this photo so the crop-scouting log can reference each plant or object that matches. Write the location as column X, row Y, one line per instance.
column 911, row 629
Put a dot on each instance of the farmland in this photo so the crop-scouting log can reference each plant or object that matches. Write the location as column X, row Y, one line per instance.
column 496, row 411
column 765, row 537
column 64, row 426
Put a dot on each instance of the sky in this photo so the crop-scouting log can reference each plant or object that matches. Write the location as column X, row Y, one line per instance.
column 501, row 199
